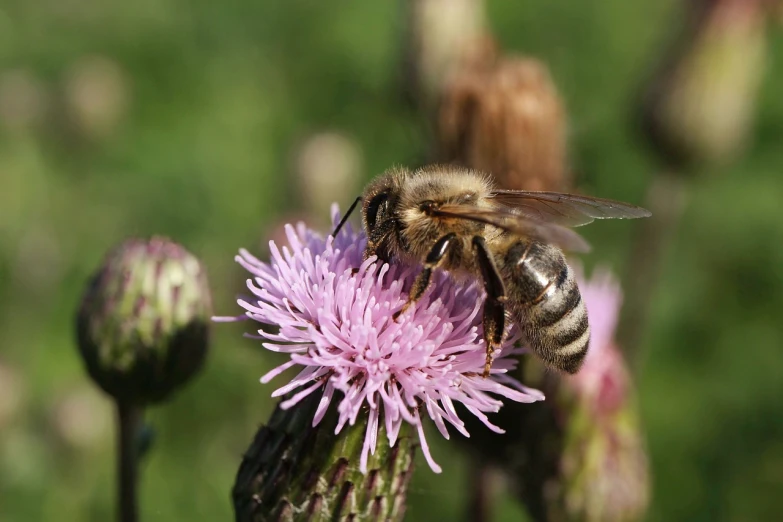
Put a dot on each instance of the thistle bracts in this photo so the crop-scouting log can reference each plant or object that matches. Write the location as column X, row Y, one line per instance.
column 295, row 471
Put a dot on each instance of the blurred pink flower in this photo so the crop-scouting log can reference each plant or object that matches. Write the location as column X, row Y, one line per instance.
column 337, row 325
column 603, row 379
column 603, row 464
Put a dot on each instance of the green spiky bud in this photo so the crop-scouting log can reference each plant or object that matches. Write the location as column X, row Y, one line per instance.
column 143, row 324
column 294, row 471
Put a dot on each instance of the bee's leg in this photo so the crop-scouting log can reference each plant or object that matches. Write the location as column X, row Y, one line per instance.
column 435, row 257
column 494, row 306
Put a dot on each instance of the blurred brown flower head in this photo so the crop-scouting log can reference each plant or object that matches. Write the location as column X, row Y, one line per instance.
column 506, row 118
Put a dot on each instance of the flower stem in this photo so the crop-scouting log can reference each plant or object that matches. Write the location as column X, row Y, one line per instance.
column 294, row 471
column 128, row 419
column 481, row 491
column 666, row 200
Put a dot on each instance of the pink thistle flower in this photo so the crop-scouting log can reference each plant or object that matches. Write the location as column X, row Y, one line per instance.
column 603, row 465
column 604, row 378
column 336, row 324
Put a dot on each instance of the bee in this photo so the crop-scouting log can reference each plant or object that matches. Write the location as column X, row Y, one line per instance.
column 455, row 219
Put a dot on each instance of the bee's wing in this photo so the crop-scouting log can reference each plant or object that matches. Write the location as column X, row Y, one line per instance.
column 568, row 210
column 519, row 224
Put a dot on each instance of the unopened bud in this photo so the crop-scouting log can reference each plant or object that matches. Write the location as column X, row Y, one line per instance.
column 603, row 469
column 602, row 472
column 143, row 323
column 327, row 167
column 699, row 107
column 508, row 120
column 441, row 36
column 97, row 95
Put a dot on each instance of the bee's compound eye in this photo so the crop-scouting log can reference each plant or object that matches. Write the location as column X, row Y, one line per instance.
column 378, row 204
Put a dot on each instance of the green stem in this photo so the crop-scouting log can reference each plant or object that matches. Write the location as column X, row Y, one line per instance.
column 481, row 492
column 128, row 420
column 296, row 472
column 666, row 200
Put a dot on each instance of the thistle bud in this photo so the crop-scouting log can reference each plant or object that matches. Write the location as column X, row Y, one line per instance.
column 699, row 107
column 600, row 474
column 580, row 455
column 508, row 120
column 603, row 466
column 143, row 322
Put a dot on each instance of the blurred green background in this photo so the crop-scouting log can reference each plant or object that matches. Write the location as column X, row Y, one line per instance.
column 183, row 118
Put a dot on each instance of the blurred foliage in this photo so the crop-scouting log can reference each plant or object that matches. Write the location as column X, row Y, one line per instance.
column 178, row 118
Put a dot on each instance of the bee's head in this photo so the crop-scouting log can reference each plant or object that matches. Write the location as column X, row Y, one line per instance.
column 379, row 202
column 379, row 205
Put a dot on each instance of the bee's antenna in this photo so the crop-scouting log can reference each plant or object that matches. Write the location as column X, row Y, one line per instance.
column 346, row 216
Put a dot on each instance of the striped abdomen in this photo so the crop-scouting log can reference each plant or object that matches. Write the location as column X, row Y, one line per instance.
column 544, row 298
